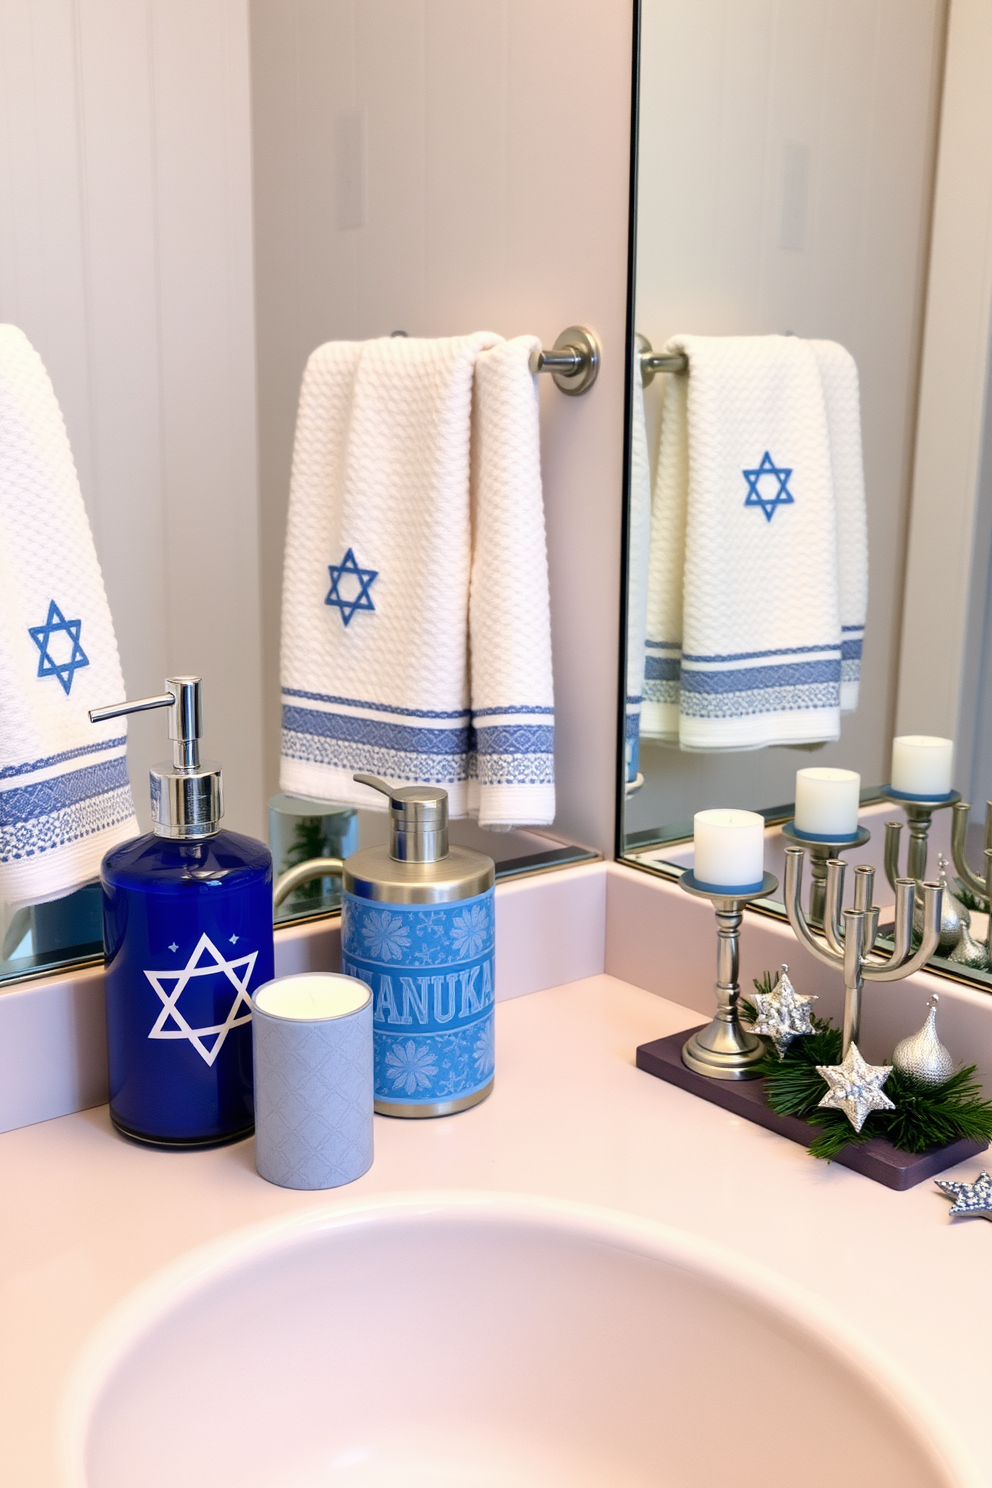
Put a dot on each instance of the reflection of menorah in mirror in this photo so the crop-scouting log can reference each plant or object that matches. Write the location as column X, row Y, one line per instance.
column 978, row 884
column 849, row 935
column 918, row 815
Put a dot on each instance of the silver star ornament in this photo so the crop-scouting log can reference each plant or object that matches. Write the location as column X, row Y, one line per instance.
column 856, row 1087
column 969, row 1198
column 783, row 1013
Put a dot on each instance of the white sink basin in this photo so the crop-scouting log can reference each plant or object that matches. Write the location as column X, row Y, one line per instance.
column 480, row 1342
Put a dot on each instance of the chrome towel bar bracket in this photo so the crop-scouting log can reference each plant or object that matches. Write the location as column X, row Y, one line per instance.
column 653, row 362
column 573, row 361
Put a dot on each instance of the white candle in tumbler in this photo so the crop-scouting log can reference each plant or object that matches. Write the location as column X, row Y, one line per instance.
column 922, row 766
column 827, row 803
column 729, row 849
column 312, row 1037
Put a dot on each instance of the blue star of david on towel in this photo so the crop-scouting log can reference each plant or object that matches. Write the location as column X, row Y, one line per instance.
column 59, row 665
column 768, row 470
column 348, row 567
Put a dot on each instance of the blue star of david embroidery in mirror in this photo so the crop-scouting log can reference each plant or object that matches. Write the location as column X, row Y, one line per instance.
column 342, row 594
column 772, row 475
column 58, row 642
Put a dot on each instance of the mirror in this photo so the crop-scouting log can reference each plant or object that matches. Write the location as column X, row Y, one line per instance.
column 786, row 159
column 192, row 198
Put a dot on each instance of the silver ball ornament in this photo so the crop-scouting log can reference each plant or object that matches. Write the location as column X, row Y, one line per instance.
column 922, row 1055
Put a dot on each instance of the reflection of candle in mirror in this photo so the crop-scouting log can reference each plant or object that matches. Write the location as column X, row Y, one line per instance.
column 729, row 850
column 827, row 804
column 922, row 766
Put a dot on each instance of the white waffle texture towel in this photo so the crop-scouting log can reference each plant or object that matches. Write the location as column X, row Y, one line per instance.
column 758, row 574
column 416, row 636
column 638, row 549
column 64, row 794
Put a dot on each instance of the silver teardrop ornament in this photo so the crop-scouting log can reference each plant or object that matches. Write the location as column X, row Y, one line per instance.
column 922, row 1055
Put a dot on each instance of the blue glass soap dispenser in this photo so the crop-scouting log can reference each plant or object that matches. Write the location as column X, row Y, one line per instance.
column 187, row 928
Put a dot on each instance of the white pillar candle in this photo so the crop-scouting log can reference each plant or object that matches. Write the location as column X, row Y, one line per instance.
column 922, row 766
column 827, row 803
column 729, row 850
column 312, row 1038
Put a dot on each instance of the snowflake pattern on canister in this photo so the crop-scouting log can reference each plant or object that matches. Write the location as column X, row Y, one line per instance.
column 430, row 968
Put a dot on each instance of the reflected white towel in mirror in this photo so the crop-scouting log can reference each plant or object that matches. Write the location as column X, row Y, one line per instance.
column 64, row 793
column 745, row 612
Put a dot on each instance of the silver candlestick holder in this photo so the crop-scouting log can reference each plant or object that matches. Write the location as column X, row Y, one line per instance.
column 820, row 852
column 849, row 934
column 723, row 1049
column 919, row 811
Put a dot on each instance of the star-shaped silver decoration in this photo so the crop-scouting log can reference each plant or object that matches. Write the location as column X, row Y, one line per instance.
column 783, row 1013
column 171, row 1024
column 969, row 1198
column 856, row 1087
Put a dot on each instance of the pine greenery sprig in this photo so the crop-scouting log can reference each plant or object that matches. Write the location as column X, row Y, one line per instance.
column 925, row 1116
column 976, row 902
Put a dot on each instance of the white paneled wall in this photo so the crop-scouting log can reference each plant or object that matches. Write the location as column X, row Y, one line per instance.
column 493, row 193
column 786, row 165
column 126, row 257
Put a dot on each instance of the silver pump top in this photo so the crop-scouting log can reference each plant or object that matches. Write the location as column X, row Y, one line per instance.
column 187, row 795
column 419, row 816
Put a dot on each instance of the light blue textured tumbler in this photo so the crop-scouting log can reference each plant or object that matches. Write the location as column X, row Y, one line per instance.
column 313, row 1080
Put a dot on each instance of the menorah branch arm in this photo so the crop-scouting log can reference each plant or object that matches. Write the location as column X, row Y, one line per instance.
column 959, row 849
column 833, row 898
column 893, row 837
column 793, row 907
column 896, row 968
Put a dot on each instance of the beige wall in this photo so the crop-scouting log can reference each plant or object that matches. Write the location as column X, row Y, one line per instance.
column 126, row 257
column 495, row 195
column 786, row 161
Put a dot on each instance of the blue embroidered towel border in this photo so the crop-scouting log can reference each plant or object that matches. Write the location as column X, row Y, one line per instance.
column 64, row 793
column 416, row 626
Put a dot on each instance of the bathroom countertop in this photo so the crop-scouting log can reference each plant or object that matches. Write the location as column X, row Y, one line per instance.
column 87, row 1215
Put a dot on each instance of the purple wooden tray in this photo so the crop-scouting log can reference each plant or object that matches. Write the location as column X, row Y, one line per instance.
column 876, row 1158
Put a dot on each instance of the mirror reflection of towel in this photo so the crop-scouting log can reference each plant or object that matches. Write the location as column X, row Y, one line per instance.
column 758, row 567
column 638, row 548
column 64, row 793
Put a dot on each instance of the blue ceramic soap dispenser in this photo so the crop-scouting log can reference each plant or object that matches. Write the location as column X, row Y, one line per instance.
column 187, row 926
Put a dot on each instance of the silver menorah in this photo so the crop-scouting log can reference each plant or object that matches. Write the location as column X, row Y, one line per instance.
column 849, row 934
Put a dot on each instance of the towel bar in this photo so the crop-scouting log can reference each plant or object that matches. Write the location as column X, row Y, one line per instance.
column 653, row 362
column 573, row 361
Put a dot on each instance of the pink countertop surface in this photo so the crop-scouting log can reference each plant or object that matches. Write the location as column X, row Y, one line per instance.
column 88, row 1216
